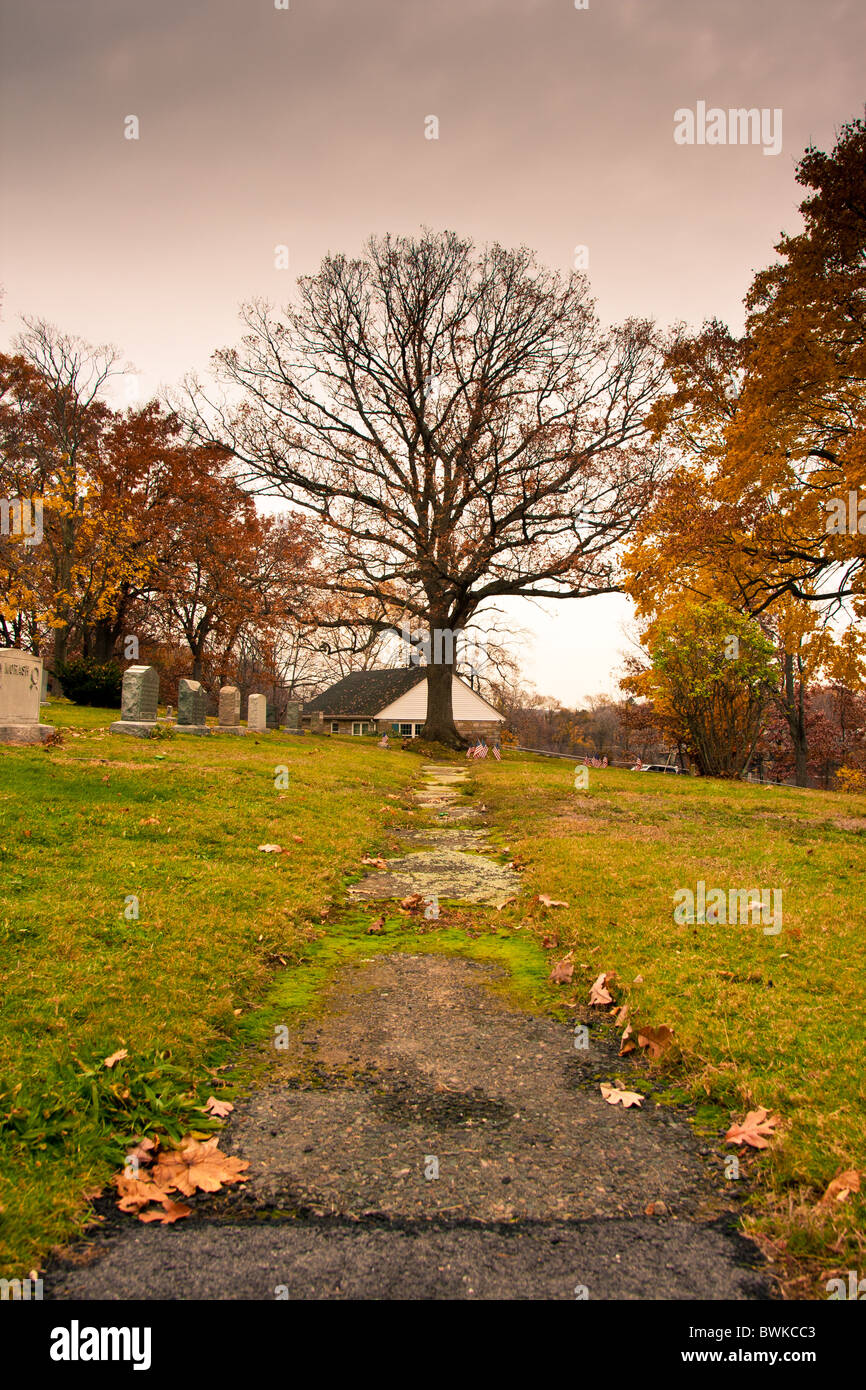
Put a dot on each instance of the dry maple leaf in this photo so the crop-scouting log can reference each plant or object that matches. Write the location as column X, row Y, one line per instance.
column 220, row 1108
column 657, row 1040
column 143, row 1152
column 626, row 1043
column 841, row 1187
column 166, row 1213
column 599, row 993
column 563, row 970
column 137, row 1192
column 756, row 1129
column 615, row 1095
column 550, row 902
column 375, row 927
column 199, row 1166
column 115, row 1058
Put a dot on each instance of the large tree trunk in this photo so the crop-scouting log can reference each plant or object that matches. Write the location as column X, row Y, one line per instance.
column 794, row 708
column 440, row 726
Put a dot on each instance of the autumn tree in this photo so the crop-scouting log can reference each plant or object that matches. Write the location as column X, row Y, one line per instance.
column 458, row 424
column 711, row 679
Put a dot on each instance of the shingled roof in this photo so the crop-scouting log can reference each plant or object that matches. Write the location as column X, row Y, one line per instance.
column 364, row 693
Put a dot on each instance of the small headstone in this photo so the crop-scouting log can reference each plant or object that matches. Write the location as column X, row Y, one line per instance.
column 230, row 710
column 293, row 716
column 257, row 714
column 191, row 708
column 138, row 702
column 20, row 694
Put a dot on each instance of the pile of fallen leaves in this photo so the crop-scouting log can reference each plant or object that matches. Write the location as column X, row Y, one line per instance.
column 152, row 1173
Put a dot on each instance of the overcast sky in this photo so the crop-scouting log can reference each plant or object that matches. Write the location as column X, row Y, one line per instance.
column 305, row 127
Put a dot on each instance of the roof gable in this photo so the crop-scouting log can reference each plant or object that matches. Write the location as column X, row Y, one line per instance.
column 364, row 693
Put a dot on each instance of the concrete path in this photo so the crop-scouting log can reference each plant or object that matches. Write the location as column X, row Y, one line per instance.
column 422, row 1139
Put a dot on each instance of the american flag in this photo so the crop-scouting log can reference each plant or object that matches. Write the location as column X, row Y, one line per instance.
column 481, row 751
column 496, row 753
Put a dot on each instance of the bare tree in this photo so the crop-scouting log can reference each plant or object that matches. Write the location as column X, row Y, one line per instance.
column 458, row 422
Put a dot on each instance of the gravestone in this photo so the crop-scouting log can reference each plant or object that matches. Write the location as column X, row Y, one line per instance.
column 191, row 708
column 230, row 710
column 257, row 714
column 293, row 717
column 20, row 694
column 138, row 702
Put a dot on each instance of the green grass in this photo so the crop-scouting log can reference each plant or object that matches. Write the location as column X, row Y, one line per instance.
column 759, row 1020
column 230, row 941
column 176, row 824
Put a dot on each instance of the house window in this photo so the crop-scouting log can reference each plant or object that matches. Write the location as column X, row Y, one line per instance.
column 406, row 730
column 418, row 730
column 335, row 728
column 395, row 728
column 359, row 729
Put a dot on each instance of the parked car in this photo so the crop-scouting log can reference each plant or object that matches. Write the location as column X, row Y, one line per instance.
column 662, row 767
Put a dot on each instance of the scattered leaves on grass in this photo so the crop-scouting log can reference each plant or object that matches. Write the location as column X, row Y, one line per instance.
column 756, row 1130
column 563, row 970
column 841, row 1187
column 656, row 1040
column 115, row 1058
column 135, row 1193
column 599, row 994
column 377, row 863
column 616, row 1095
column 220, row 1108
column 550, row 902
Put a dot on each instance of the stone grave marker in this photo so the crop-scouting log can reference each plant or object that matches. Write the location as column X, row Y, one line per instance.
column 293, row 717
column 191, row 708
column 257, row 714
column 20, row 695
column 138, row 702
column 230, row 710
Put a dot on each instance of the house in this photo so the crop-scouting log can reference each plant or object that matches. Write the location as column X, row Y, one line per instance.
column 394, row 702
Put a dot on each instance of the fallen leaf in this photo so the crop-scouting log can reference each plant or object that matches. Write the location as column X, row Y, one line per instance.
column 841, row 1187
column 563, row 970
column 550, row 902
column 298, row 839
column 626, row 1043
column 115, row 1057
column 549, row 942
column 220, row 1108
column 756, row 1129
column 614, row 1095
column 200, row 1166
column 599, row 993
column 271, row 849
column 137, row 1192
column 150, row 820
column 414, row 901
column 378, row 863
column 656, row 1040
column 376, row 926
column 638, row 980
column 621, row 1016
column 166, row 1213
column 143, row 1152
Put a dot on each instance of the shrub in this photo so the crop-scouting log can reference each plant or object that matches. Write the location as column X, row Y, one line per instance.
column 88, row 682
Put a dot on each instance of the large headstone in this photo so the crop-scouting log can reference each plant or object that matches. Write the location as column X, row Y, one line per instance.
column 257, row 714
column 20, row 693
column 138, row 702
column 293, row 716
column 191, row 708
column 230, row 710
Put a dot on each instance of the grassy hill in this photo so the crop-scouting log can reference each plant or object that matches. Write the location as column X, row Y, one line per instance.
column 138, row 914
